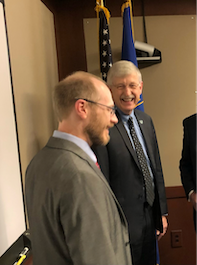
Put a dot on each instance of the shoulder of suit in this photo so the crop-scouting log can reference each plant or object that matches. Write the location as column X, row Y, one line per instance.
column 141, row 114
column 66, row 145
column 190, row 119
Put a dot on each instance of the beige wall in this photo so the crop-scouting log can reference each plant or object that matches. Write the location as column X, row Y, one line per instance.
column 169, row 87
column 34, row 70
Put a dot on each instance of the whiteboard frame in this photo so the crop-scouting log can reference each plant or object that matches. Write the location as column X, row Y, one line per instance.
column 13, row 219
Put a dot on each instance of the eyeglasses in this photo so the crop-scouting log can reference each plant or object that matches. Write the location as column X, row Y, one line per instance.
column 123, row 86
column 112, row 110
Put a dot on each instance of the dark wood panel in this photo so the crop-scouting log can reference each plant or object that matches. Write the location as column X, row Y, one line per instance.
column 70, row 42
column 180, row 218
column 162, row 7
column 28, row 260
column 151, row 7
column 175, row 192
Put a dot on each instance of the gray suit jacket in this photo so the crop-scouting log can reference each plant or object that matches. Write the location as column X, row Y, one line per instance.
column 120, row 165
column 73, row 214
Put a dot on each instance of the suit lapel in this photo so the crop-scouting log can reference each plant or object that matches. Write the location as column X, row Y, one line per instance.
column 126, row 139
column 145, row 133
column 101, row 176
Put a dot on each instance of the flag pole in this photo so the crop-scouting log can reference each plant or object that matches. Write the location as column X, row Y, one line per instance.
column 131, row 16
column 102, row 3
column 97, row 14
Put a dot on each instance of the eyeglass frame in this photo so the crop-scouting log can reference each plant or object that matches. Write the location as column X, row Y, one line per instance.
column 112, row 109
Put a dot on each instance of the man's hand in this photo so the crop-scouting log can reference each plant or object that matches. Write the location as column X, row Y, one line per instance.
column 193, row 199
column 165, row 225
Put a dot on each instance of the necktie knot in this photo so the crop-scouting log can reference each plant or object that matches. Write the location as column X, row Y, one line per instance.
column 130, row 122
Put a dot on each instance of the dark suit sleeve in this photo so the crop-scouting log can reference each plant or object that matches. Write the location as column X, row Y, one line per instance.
column 159, row 175
column 186, row 167
column 103, row 160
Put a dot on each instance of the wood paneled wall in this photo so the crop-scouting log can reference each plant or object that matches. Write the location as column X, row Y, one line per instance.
column 180, row 218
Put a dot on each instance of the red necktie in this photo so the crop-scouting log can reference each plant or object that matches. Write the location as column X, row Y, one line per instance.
column 97, row 164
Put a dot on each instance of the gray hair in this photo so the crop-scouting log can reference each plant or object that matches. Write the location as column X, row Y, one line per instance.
column 120, row 69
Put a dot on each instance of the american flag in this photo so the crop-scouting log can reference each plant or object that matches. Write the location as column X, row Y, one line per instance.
column 104, row 43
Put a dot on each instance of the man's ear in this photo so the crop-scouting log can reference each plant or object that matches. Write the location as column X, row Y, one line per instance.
column 141, row 86
column 81, row 108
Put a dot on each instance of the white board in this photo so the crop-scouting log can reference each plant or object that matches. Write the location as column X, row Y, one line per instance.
column 12, row 218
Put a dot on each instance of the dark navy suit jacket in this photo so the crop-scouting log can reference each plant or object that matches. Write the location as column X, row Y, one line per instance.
column 120, row 166
column 188, row 160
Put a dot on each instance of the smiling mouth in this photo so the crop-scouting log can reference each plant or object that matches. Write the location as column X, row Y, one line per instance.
column 127, row 99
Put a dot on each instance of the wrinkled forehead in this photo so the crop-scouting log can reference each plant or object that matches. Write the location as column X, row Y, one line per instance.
column 133, row 77
column 122, row 72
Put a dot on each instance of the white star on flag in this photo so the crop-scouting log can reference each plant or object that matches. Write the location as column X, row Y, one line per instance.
column 105, row 31
column 104, row 42
column 104, row 53
column 104, row 45
column 104, row 75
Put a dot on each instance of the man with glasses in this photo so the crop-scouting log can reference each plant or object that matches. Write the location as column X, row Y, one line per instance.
column 131, row 163
column 73, row 214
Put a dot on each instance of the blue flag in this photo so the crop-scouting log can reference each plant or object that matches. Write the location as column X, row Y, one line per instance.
column 128, row 48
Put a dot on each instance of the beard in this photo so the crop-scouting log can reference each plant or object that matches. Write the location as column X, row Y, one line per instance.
column 95, row 131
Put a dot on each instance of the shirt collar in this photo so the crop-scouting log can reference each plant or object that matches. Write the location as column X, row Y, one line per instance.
column 124, row 116
column 78, row 141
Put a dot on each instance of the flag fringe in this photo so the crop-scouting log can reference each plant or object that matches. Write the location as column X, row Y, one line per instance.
column 140, row 103
column 125, row 5
column 98, row 8
column 99, row 2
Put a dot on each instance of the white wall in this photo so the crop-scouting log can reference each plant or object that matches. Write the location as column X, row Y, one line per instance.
column 31, row 37
column 12, row 221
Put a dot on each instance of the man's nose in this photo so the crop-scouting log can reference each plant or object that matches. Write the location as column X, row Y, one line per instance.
column 127, row 90
column 114, row 119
